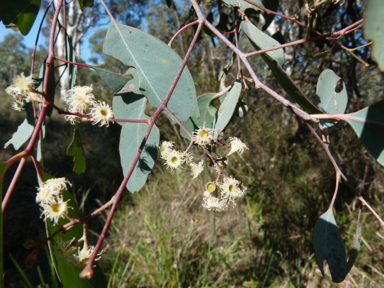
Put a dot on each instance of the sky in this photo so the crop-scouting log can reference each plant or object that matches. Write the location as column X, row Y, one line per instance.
column 29, row 40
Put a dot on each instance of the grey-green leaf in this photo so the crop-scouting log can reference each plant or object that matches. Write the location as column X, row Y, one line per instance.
column 330, row 101
column 227, row 108
column 373, row 28
column 330, row 247
column 207, row 114
column 157, row 65
column 132, row 135
column 263, row 41
column 132, row 106
column 287, row 83
column 368, row 124
column 355, row 250
column 114, row 80
column 24, row 131
column 243, row 5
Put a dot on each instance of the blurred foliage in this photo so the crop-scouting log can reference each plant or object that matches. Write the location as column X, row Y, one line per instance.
column 161, row 236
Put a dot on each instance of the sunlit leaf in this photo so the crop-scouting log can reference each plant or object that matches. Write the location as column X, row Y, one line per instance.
column 157, row 65
column 131, row 106
column 263, row 41
column 23, row 13
column 330, row 101
column 75, row 149
column 39, row 152
column 373, row 27
column 114, row 80
column 24, row 131
column 330, row 247
column 243, row 4
column 207, row 114
column 368, row 124
column 227, row 108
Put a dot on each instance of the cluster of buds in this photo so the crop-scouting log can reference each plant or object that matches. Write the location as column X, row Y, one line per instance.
column 22, row 91
column 77, row 257
column 82, row 101
column 230, row 189
column 50, row 199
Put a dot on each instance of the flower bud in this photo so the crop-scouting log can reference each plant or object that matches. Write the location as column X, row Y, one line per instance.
column 210, row 187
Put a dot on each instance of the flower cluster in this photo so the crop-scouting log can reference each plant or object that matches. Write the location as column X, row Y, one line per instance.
column 82, row 101
column 230, row 190
column 50, row 199
column 76, row 257
column 203, row 135
column 22, row 91
column 175, row 159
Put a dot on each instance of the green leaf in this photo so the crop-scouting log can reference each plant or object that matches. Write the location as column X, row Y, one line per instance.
column 85, row 3
column 24, row 131
column 207, row 114
column 227, row 108
column 242, row 4
column 330, row 247
column 368, row 124
column 373, row 28
column 322, row 54
column 72, row 69
column 330, row 101
column 75, row 149
column 69, row 275
column 114, row 80
column 23, row 13
column 263, row 41
column 157, row 65
column 132, row 106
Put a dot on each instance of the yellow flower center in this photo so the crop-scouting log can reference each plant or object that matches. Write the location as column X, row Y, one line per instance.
column 56, row 207
column 103, row 112
column 174, row 160
column 204, row 134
